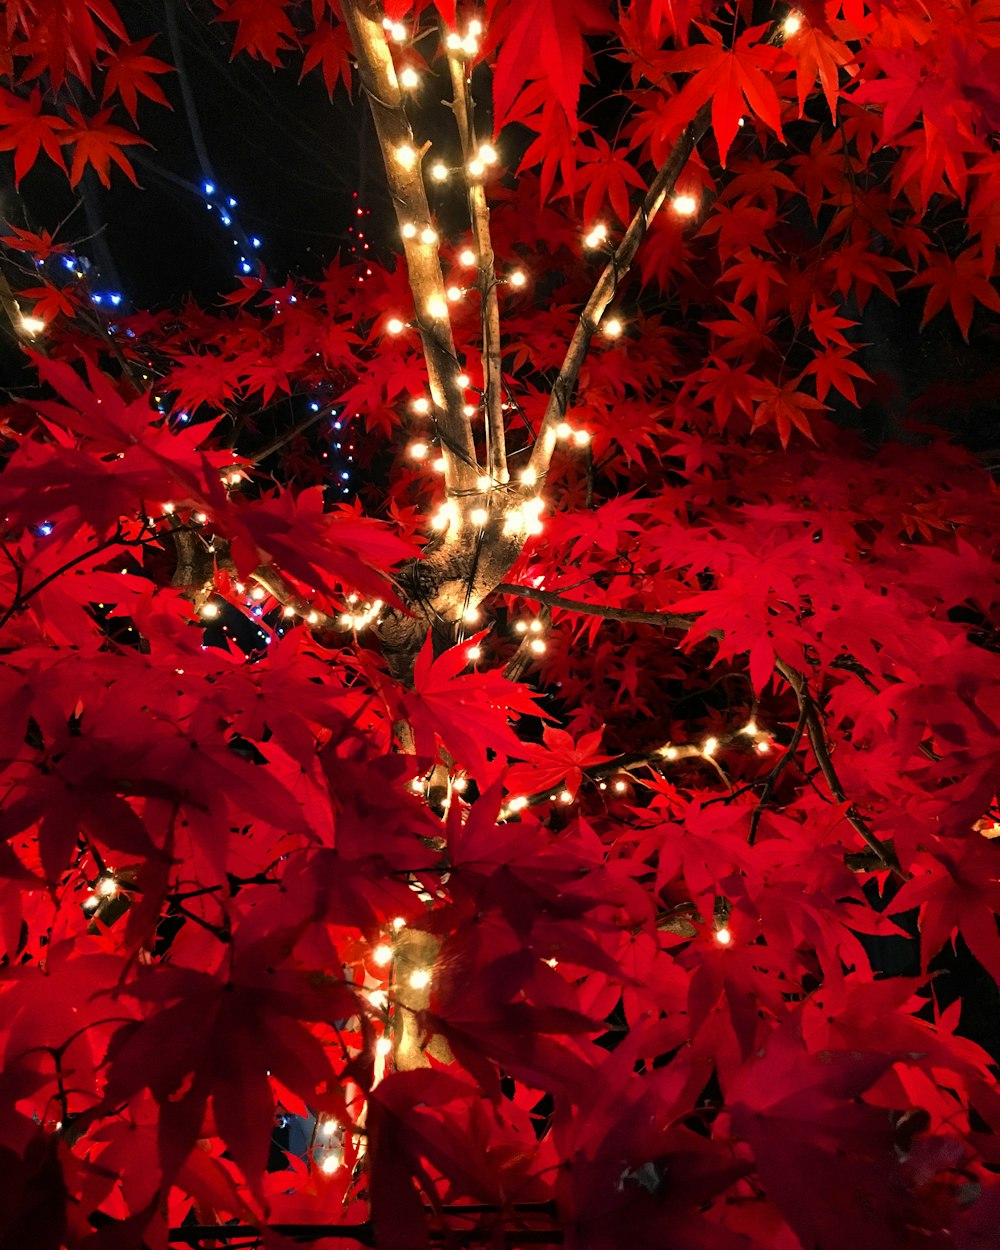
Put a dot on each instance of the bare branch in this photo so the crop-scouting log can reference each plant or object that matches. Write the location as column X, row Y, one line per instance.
column 479, row 212
column 406, row 186
column 607, row 285
column 663, row 620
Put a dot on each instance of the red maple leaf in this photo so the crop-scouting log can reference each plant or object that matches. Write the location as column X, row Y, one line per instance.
column 962, row 283
column 98, row 143
column 25, row 130
column 561, row 763
column 129, row 74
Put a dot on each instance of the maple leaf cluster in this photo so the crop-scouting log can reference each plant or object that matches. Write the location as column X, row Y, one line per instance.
column 634, row 913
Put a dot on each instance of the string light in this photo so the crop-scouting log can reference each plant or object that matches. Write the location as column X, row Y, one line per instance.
column 487, row 154
column 483, row 482
column 32, row 325
column 382, row 954
column 469, row 410
column 436, row 307
column 475, row 28
column 564, row 429
column 439, row 465
column 420, row 978
column 479, row 516
column 521, row 627
column 395, row 326
column 538, row 646
column 470, row 615
column 565, row 797
column 597, row 236
column 399, row 922
column 750, row 728
column 684, row 205
column 581, row 438
column 439, row 172
column 454, row 42
column 723, row 936
column 620, row 787
column 529, row 477
column 428, row 235
column 379, row 999
column 409, row 230
column 409, row 78
column 288, row 612
column 312, row 618
column 210, row 610
column 418, row 451
column 470, row 45
column 476, row 168
column 328, row 1126
column 467, row 256
column 421, row 405
column 258, row 593
column 670, row 753
column 613, row 328
column 454, row 293
column 517, row 278
column 461, row 784
column 711, row 745
column 383, row 1047
column 330, row 1164
column 518, row 804
column 406, row 155
column 397, row 32
column 107, row 886
column 463, row 380
column 792, row 24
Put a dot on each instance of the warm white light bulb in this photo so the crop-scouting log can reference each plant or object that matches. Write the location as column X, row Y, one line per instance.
column 763, row 747
column 382, row 954
column 792, row 24
column 613, row 328
column 438, row 465
column 521, row 627
column 473, row 654
column 710, row 747
column 463, row 380
column 565, row 797
column 258, row 593
column 454, row 42
column 383, row 1047
column 517, row 278
column 670, row 753
column 210, row 610
column 479, row 516
column 536, row 626
column 397, row 31
column 529, row 477
column 470, row 45
column 421, row 405
column 475, row 27
column 469, row 410
column 684, row 205
column 538, row 646
column 408, row 230
column 420, row 978
column 395, row 326
column 581, row 438
column 32, row 325
column 409, row 78
column 287, row 612
column 476, row 168
column 723, row 936
column 518, row 804
column 418, row 451
column 564, row 429
column 439, row 172
column 750, row 728
column 330, row 1164
column 470, row 615
column 312, row 618
column 454, row 293
column 620, row 787
column 428, row 235
column 406, row 155
column 487, row 154
column 436, row 307
column 467, row 256
column 107, row 886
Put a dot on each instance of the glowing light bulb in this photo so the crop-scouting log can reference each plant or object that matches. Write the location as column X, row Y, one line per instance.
column 538, row 646
column 383, row 1047
column 536, row 626
column 521, row 627
column 168, row 508
column 410, row 78
column 620, row 787
column 428, row 235
column 200, row 517
column 328, row 1126
column 399, row 922
column 684, row 205
column 32, row 325
column 395, row 326
column 258, row 593
column 723, row 936
column 597, row 236
column 476, row 168
column 210, row 610
column 409, row 230
column 463, row 380
column 454, row 293
column 535, row 506
column 418, row 451
column 483, row 482
column 467, row 256
column 613, row 328
column 436, row 307
column 470, row 45
column 517, row 278
column 518, row 804
column 710, row 747
column 382, row 954
column 479, row 516
column 565, row 796
column 406, row 155
column 439, row 172
column 454, row 42
column 529, row 477
column 461, row 784
column 438, row 465
column 581, row 438
column 487, row 154
column 475, row 28
column 330, row 1164
column 421, row 405
column 288, row 613
column 108, row 887
column 440, row 519
column 750, row 728
column 792, row 24
column 470, row 615
column 420, row 978
column 763, row 747
column 312, row 618
column 469, row 410
column 379, row 999
column 670, row 753
column 564, row 429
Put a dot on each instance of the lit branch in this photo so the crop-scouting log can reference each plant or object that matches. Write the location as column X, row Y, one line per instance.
column 607, row 284
column 406, row 186
column 480, row 214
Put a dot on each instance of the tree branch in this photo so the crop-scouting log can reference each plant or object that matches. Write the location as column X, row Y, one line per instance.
column 363, row 19
column 479, row 212
column 607, row 285
column 664, row 620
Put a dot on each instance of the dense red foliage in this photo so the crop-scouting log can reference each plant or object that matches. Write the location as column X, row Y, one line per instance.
column 657, row 1014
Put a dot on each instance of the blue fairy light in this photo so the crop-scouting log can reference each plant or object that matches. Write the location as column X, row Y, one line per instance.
column 209, row 188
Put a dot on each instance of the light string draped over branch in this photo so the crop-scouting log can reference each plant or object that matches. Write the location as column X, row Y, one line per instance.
column 423, row 260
